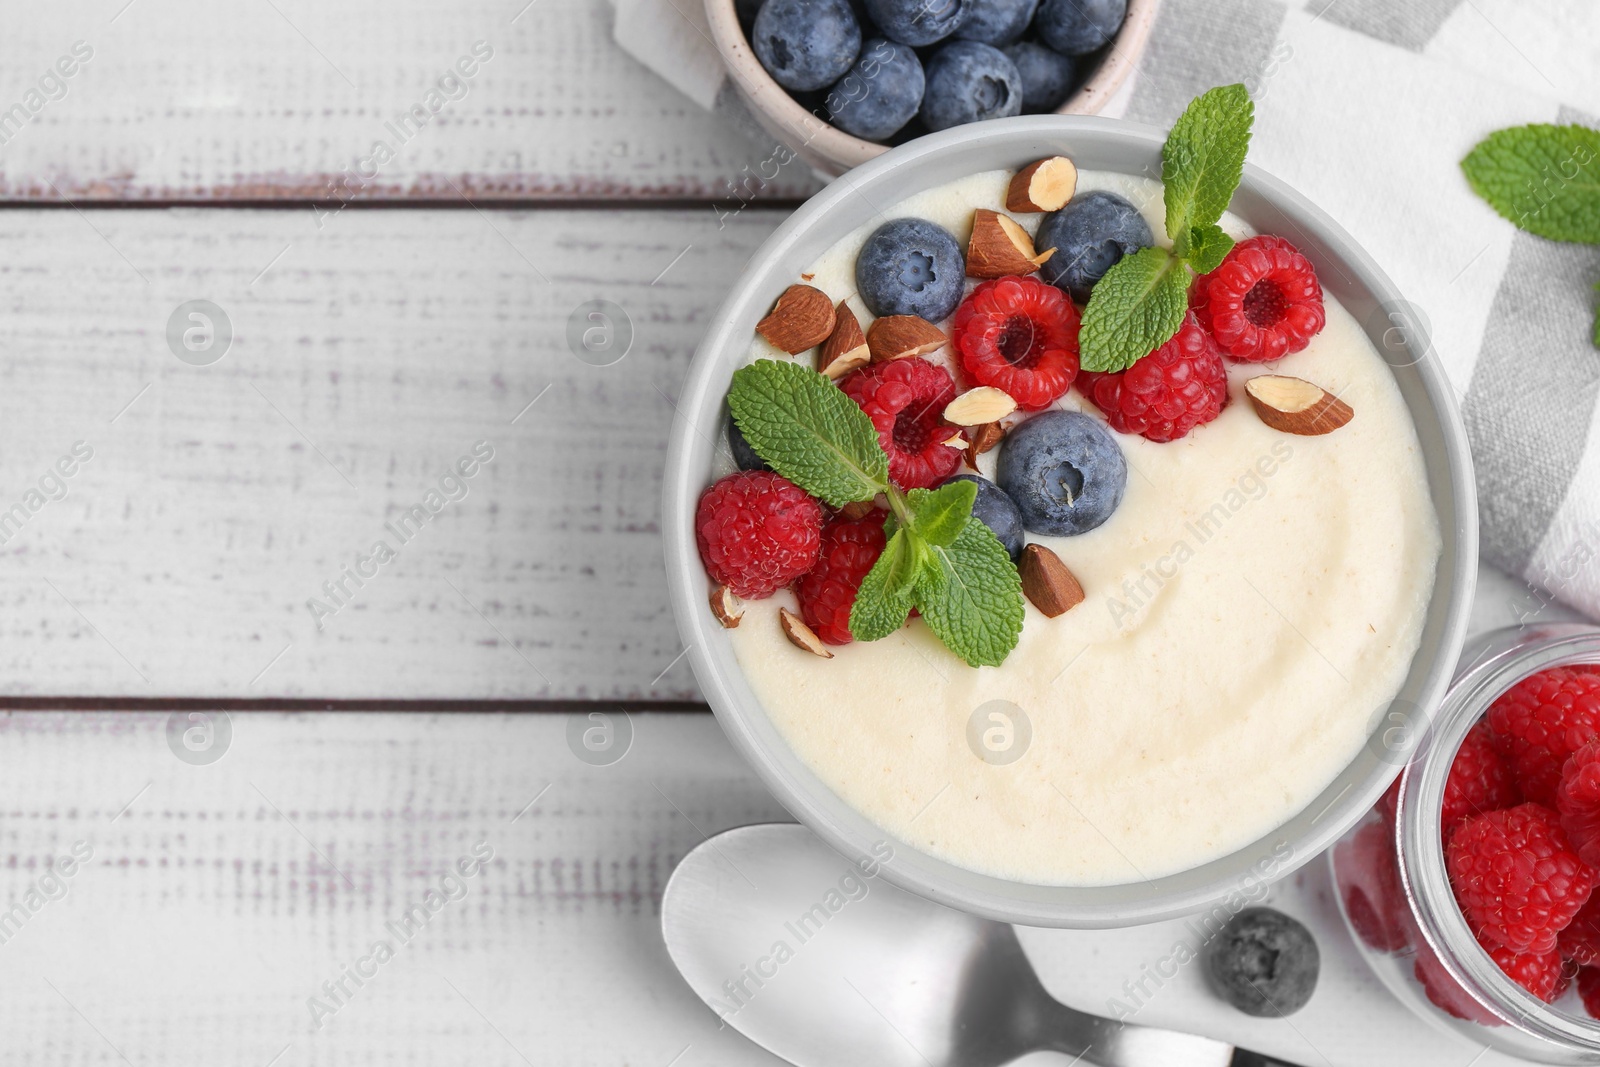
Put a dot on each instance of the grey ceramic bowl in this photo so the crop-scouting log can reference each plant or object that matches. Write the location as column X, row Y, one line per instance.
column 1265, row 203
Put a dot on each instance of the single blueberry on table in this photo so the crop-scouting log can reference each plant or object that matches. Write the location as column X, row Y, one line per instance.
column 1090, row 234
column 1064, row 471
column 1263, row 963
column 806, row 44
column 744, row 457
column 996, row 510
column 1047, row 75
column 969, row 82
column 911, row 267
column 996, row 22
column 880, row 94
column 917, row 22
column 1078, row 27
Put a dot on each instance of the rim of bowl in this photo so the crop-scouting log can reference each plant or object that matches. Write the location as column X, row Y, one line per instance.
column 847, row 150
column 1348, row 272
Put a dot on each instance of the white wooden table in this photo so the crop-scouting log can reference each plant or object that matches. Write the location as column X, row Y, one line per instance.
column 203, row 152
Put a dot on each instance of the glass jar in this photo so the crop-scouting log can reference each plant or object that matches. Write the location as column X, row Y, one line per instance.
column 1394, row 892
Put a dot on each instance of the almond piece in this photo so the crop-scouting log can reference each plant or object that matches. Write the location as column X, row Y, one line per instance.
column 800, row 635
column 955, row 441
column 727, row 607
column 1294, row 405
column 846, row 347
column 802, row 317
column 1000, row 248
column 1043, row 186
column 903, row 336
column 984, row 438
column 1046, row 581
column 858, row 509
column 975, row 407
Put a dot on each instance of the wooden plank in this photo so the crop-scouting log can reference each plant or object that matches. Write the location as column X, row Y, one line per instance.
column 285, row 99
column 369, row 358
column 217, row 900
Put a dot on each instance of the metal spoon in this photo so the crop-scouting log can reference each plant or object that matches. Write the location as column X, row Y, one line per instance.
column 824, row 963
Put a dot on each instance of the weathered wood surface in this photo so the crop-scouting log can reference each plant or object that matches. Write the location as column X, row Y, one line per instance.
column 216, row 901
column 369, row 357
column 284, row 99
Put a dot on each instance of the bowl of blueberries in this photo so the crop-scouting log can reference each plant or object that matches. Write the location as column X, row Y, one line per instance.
column 841, row 81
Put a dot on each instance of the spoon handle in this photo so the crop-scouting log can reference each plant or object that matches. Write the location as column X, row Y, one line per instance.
column 1102, row 1041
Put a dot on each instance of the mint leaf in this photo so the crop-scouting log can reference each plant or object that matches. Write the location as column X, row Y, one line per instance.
column 1597, row 319
column 971, row 596
column 1133, row 310
column 1544, row 178
column 1207, row 246
column 939, row 514
column 809, row 431
column 1203, row 159
column 885, row 597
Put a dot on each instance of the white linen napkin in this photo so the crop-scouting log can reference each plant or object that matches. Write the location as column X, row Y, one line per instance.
column 1367, row 107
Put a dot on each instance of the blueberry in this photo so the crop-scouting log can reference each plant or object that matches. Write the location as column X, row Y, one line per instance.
column 1078, row 27
column 967, row 82
column 997, row 511
column 1064, row 472
column 744, row 457
column 1090, row 235
column 1263, row 963
column 911, row 267
column 917, row 22
column 996, row 22
column 1047, row 75
column 880, row 94
column 806, row 44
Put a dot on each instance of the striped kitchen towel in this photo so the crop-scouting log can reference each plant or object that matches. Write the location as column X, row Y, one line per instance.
column 1367, row 107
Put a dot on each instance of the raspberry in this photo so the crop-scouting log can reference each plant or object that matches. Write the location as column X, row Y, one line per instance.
column 1262, row 303
column 905, row 399
column 1538, row 973
column 1445, row 993
column 1369, row 879
column 1579, row 940
column 1019, row 335
column 1181, row 385
column 827, row 591
column 1480, row 780
column 1578, row 801
column 1516, row 880
column 1589, row 990
column 757, row 532
column 1542, row 720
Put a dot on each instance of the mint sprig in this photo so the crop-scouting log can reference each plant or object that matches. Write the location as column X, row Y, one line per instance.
column 972, row 597
column 1140, row 302
column 819, row 439
column 1203, row 160
column 888, row 592
column 1144, row 306
column 1545, row 179
column 939, row 559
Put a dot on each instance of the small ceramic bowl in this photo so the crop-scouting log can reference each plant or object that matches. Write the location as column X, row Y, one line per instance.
column 1268, row 205
column 831, row 150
